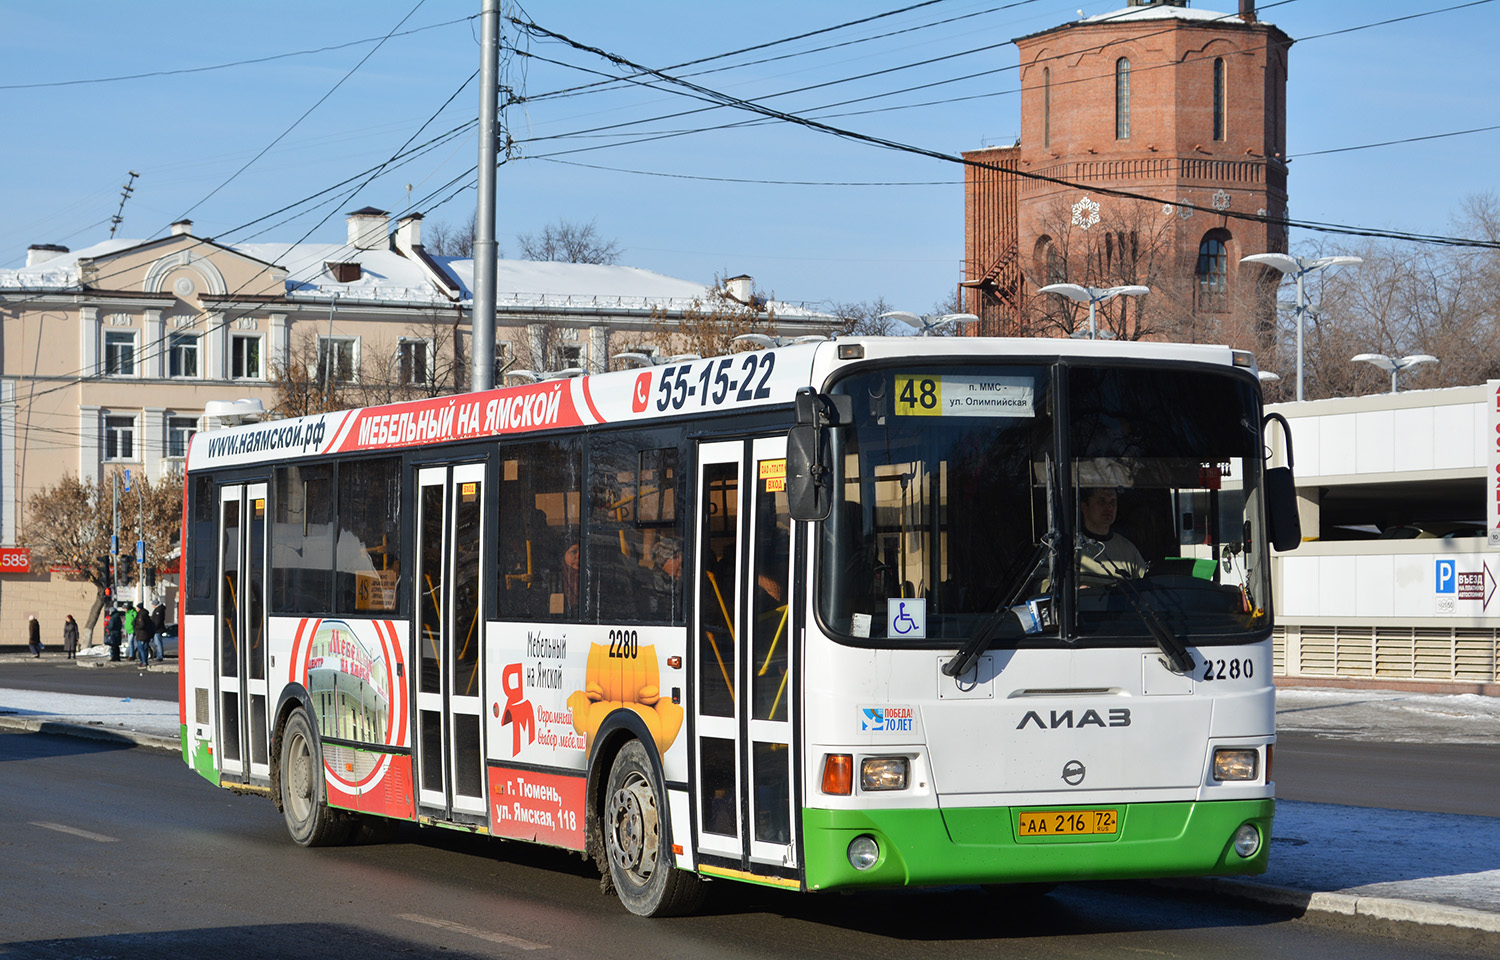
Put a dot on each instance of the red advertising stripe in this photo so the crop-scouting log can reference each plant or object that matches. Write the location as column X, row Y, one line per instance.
column 532, row 805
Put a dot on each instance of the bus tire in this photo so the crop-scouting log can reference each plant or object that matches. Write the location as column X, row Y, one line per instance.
column 637, row 844
column 308, row 817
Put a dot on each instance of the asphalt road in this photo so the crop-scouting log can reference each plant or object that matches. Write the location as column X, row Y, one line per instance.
column 125, row 853
column 1431, row 777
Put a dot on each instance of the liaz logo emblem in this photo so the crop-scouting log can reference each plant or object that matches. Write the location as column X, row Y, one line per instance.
column 1118, row 717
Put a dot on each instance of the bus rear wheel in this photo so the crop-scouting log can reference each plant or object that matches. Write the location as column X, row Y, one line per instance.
column 308, row 817
column 636, row 840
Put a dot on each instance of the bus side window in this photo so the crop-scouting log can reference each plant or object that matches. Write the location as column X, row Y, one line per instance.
column 540, row 490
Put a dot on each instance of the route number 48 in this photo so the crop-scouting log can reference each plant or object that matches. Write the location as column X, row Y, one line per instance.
column 919, row 396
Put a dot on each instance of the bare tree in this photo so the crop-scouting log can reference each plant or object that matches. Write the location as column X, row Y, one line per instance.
column 447, row 240
column 863, row 318
column 69, row 525
column 1404, row 299
column 568, row 242
column 710, row 324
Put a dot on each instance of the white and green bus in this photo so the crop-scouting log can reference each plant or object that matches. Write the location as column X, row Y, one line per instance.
column 864, row 613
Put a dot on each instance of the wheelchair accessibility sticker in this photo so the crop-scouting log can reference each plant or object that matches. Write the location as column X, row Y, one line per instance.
column 906, row 617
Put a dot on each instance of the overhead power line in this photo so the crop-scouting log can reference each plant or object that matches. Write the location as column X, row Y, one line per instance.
column 725, row 99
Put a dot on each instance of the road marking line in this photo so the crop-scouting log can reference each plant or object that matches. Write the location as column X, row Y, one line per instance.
column 75, row 832
column 516, row 942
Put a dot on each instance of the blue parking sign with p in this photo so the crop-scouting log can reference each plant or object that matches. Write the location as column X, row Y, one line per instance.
column 1447, row 576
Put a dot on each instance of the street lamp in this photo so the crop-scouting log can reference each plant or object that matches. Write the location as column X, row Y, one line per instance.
column 1297, row 268
column 1093, row 296
column 927, row 325
column 1393, row 364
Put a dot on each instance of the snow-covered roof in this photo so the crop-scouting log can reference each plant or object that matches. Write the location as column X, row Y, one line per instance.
column 388, row 276
column 1162, row 11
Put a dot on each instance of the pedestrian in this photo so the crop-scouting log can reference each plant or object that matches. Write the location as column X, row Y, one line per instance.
column 33, row 636
column 70, row 637
column 144, row 631
column 114, row 633
column 129, row 626
column 159, row 624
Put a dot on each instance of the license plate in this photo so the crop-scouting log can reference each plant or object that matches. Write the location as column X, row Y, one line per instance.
column 1067, row 823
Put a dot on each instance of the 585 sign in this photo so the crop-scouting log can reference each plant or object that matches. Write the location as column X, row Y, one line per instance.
column 15, row 559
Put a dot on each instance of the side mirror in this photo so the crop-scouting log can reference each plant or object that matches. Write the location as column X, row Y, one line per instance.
column 1283, row 524
column 809, row 455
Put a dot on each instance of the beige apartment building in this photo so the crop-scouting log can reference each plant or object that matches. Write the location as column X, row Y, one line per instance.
column 113, row 355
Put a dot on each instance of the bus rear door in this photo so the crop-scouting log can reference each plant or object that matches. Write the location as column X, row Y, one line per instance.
column 743, row 649
column 240, row 648
column 450, row 626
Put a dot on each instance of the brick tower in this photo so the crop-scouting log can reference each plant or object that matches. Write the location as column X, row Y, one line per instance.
column 1183, row 106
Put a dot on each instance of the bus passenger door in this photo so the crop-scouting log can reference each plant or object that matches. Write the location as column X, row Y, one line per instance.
column 743, row 650
column 240, row 651
column 450, row 625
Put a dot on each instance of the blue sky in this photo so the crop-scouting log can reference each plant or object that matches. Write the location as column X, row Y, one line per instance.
column 69, row 146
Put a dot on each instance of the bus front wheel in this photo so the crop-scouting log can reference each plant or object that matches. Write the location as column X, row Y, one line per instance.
column 636, row 838
column 308, row 817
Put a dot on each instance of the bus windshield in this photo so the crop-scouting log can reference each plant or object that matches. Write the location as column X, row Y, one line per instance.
column 962, row 504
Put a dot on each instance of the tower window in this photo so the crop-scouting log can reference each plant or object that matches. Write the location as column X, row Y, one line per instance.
column 1219, row 99
column 1122, row 99
column 1213, row 272
column 1047, row 106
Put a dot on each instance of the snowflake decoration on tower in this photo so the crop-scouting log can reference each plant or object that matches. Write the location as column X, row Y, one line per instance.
column 1221, row 200
column 1085, row 213
column 1185, row 208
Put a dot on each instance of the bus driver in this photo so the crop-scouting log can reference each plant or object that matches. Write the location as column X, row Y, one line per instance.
column 1114, row 556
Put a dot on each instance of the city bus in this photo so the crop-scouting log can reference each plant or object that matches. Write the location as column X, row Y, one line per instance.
column 824, row 617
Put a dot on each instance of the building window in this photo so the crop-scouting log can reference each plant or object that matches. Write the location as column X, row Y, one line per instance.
column 1219, row 99
column 1213, row 271
column 572, row 357
column 119, row 354
column 119, row 438
column 1122, row 99
column 338, row 359
column 179, row 431
column 1050, row 262
column 414, row 362
column 244, row 357
column 182, row 355
column 1046, row 106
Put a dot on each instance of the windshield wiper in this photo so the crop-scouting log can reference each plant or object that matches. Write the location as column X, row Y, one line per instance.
column 969, row 652
column 1177, row 658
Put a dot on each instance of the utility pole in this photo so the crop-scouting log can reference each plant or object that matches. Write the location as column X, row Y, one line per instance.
column 125, row 192
column 482, row 325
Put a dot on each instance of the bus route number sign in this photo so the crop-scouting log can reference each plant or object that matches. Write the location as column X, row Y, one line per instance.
column 964, row 396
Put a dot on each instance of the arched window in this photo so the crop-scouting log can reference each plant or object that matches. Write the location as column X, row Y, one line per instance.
column 1050, row 265
column 1213, row 271
column 1122, row 99
column 1046, row 106
column 1219, row 99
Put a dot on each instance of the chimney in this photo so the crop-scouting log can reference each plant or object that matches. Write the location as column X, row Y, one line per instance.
column 42, row 252
column 740, row 288
column 1247, row 11
column 368, row 228
column 182, row 227
column 408, row 233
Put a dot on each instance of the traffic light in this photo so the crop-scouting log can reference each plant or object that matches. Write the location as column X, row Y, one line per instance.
column 106, row 578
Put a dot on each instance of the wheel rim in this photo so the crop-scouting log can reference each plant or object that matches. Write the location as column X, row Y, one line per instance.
column 299, row 777
column 634, row 830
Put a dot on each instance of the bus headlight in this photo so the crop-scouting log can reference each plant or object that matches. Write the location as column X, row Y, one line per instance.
column 863, row 852
column 1236, row 763
column 1246, row 840
column 883, row 773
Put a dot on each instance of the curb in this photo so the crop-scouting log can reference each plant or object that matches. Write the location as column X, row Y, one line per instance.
column 83, row 731
column 1345, row 904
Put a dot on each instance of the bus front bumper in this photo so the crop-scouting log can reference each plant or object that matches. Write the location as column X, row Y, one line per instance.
column 986, row 844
